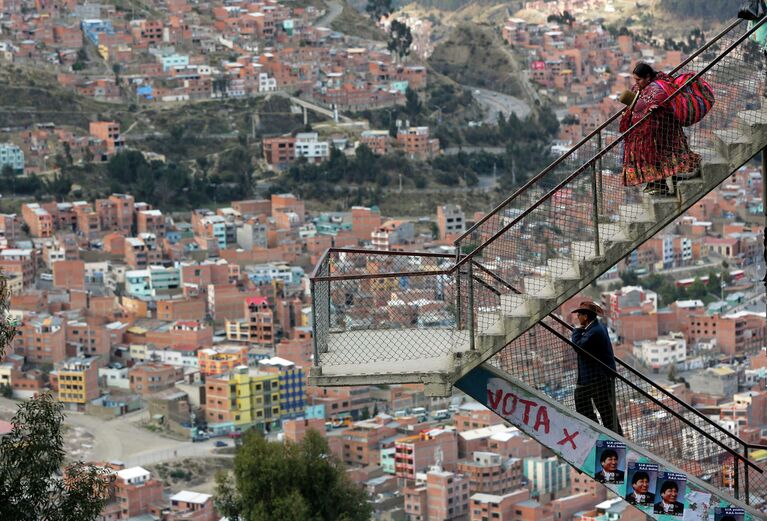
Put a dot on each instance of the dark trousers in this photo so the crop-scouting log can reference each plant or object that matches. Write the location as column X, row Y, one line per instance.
column 602, row 396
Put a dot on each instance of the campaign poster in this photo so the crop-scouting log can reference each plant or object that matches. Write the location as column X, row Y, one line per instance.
column 729, row 514
column 669, row 490
column 610, row 462
column 640, row 483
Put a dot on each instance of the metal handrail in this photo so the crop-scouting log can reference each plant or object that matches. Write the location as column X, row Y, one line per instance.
column 364, row 276
column 630, row 369
column 588, row 138
column 604, row 151
column 559, row 320
column 460, row 260
column 612, row 371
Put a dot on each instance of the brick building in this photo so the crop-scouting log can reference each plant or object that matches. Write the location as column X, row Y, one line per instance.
column 416, row 453
column 148, row 378
column 137, row 493
column 491, row 473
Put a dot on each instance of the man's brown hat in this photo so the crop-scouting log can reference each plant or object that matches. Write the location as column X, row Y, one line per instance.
column 589, row 305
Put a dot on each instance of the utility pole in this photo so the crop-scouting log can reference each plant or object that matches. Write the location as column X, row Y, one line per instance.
column 513, row 172
column 495, row 173
column 254, row 122
column 400, row 183
column 721, row 286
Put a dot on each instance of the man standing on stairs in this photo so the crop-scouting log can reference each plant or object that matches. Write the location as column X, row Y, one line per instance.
column 596, row 384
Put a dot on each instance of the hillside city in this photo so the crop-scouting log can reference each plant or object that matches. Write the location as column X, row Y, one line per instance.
column 150, row 323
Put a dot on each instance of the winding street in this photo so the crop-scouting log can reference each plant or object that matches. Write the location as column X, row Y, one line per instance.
column 120, row 439
column 335, row 8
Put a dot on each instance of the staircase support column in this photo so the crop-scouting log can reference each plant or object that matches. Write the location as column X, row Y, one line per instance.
column 764, row 211
column 470, row 296
column 315, row 347
column 745, row 468
column 595, row 208
column 600, row 188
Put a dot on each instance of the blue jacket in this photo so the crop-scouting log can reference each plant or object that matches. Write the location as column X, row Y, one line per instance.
column 594, row 340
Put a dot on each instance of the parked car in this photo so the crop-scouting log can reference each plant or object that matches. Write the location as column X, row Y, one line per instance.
column 220, row 443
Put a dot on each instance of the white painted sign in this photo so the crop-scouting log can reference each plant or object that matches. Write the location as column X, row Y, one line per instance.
column 566, row 436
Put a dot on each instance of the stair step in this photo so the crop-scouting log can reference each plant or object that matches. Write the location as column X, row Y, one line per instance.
column 689, row 187
column 714, row 167
column 522, row 306
column 755, row 120
column 735, row 146
column 563, row 268
column 540, row 287
column 584, row 250
column 490, row 323
column 636, row 213
column 514, row 305
column 613, row 232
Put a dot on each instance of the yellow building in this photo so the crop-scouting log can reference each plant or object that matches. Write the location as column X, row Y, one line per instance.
column 242, row 399
column 237, row 330
column 78, row 380
column 221, row 359
column 139, row 352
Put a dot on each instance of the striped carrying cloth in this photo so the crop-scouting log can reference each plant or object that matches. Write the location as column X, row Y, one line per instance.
column 695, row 100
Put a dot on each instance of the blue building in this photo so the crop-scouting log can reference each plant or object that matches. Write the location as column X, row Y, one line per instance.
column 11, row 155
column 292, row 390
column 172, row 61
column 93, row 27
column 145, row 91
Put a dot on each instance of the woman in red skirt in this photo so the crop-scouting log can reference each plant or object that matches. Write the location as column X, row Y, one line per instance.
column 657, row 148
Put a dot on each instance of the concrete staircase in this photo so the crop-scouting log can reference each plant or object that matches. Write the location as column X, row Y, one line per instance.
column 562, row 277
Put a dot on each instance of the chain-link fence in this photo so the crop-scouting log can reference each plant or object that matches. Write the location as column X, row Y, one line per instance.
column 394, row 313
column 387, row 312
column 632, row 405
column 624, row 182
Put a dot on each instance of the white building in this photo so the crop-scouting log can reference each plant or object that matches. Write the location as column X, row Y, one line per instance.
column 265, row 83
column 662, row 352
column 178, row 356
column 134, row 475
column 116, row 378
column 309, row 146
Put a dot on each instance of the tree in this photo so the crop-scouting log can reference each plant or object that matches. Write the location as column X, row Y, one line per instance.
column 289, row 481
column 400, row 39
column 32, row 486
column 116, row 69
column 59, row 185
column 629, row 278
column 378, row 8
column 697, row 289
column 412, row 103
column 672, row 372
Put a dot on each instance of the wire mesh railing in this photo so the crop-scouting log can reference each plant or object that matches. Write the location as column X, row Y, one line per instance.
column 644, row 412
column 404, row 312
column 412, row 300
column 601, row 193
column 381, row 309
column 630, row 404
